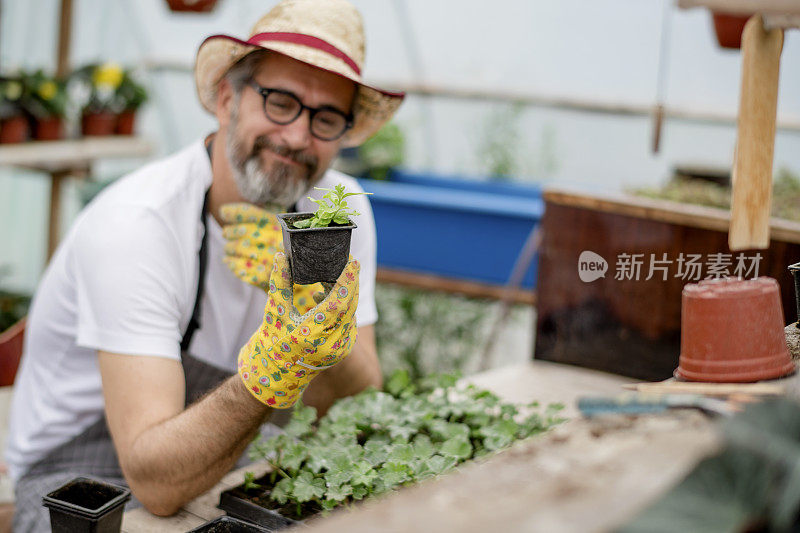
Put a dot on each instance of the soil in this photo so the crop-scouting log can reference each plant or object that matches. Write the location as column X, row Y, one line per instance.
column 261, row 497
column 87, row 494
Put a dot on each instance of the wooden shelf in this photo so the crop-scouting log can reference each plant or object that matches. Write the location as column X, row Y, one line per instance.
column 52, row 156
column 68, row 158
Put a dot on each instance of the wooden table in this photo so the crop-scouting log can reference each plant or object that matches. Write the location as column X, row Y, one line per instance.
column 69, row 158
column 586, row 475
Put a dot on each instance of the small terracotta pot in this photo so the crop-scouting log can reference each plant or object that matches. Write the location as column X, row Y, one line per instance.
column 125, row 122
column 732, row 331
column 47, row 129
column 194, row 6
column 14, row 129
column 11, row 352
column 102, row 123
column 729, row 29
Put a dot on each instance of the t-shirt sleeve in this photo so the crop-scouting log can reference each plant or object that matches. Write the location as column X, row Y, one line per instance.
column 128, row 279
column 363, row 248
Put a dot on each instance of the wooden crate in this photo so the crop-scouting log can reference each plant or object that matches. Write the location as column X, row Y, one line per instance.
column 627, row 326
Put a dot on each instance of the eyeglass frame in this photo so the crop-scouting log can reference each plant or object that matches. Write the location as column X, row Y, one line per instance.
column 312, row 111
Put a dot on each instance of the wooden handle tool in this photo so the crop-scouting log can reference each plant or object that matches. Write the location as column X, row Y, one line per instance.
column 752, row 169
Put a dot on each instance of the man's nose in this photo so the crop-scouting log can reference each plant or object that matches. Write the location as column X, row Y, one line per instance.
column 297, row 134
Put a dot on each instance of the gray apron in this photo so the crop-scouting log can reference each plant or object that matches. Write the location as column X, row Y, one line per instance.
column 92, row 452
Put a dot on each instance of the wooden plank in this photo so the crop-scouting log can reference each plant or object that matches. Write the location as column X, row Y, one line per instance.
column 548, row 382
column 142, row 521
column 708, row 389
column 696, row 216
column 755, row 141
column 589, row 476
column 69, row 154
column 467, row 288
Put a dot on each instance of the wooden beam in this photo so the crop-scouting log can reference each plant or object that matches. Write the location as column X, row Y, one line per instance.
column 455, row 286
column 64, row 38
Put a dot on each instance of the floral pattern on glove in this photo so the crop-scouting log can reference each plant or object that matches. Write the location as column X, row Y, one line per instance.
column 290, row 348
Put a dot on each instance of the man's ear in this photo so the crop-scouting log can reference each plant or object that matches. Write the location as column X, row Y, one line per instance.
column 224, row 102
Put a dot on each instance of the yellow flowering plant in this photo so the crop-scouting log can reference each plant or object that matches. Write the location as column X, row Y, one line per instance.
column 11, row 96
column 44, row 96
column 95, row 87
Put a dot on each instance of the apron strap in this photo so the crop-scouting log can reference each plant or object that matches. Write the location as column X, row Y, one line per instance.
column 194, row 321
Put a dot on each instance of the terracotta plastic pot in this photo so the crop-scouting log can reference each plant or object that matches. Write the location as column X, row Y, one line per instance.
column 193, row 6
column 729, row 29
column 315, row 254
column 732, row 331
column 98, row 123
column 11, row 352
column 125, row 122
column 47, row 129
column 14, row 129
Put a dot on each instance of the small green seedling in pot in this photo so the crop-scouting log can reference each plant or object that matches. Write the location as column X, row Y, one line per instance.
column 332, row 209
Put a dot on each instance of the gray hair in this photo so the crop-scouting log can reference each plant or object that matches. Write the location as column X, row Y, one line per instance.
column 244, row 70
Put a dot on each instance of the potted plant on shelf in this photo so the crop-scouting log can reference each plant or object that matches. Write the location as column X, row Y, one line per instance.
column 376, row 442
column 13, row 122
column 13, row 308
column 191, row 6
column 131, row 95
column 728, row 28
column 95, row 87
column 318, row 244
column 46, row 100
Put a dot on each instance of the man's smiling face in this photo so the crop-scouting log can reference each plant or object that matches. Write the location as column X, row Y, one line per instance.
column 273, row 163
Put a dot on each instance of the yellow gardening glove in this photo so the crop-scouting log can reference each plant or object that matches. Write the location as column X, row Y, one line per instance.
column 290, row 349
column 254, row 237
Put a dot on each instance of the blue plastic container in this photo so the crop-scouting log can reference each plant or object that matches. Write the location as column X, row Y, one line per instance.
column 460, row 229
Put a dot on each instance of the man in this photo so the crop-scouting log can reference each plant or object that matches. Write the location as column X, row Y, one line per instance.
column 143, row 314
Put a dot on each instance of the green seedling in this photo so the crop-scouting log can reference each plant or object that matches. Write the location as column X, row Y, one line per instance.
column 376, row 442
column 332, row 209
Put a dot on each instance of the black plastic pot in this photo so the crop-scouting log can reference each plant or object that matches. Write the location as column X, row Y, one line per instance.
column 86, row 505
column 228, row 524
column 795, row 270
column 315, row 254
column 255, row 506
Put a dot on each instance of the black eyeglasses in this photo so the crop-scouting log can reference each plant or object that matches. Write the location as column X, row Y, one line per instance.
column 283, row 107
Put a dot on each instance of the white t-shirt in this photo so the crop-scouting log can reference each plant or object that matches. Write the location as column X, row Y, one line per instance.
column 124, row 280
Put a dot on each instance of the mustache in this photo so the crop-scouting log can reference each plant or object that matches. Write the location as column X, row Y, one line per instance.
column 298, row 156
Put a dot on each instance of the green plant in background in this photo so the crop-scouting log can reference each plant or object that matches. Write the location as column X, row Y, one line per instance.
column 131, row 93
column 383, row 151
column 11, row 96
column 500, row 153
column 13, row 305
column 94, row 87
column 425, row 332
column 500, row 142
column 785, row 194
column 332, row 209
column 45, row 96
column 375, row 442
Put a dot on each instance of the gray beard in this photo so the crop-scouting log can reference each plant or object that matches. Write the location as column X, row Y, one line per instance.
column 282, row 186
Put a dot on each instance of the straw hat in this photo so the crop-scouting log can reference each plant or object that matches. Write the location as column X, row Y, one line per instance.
column 327, row 34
